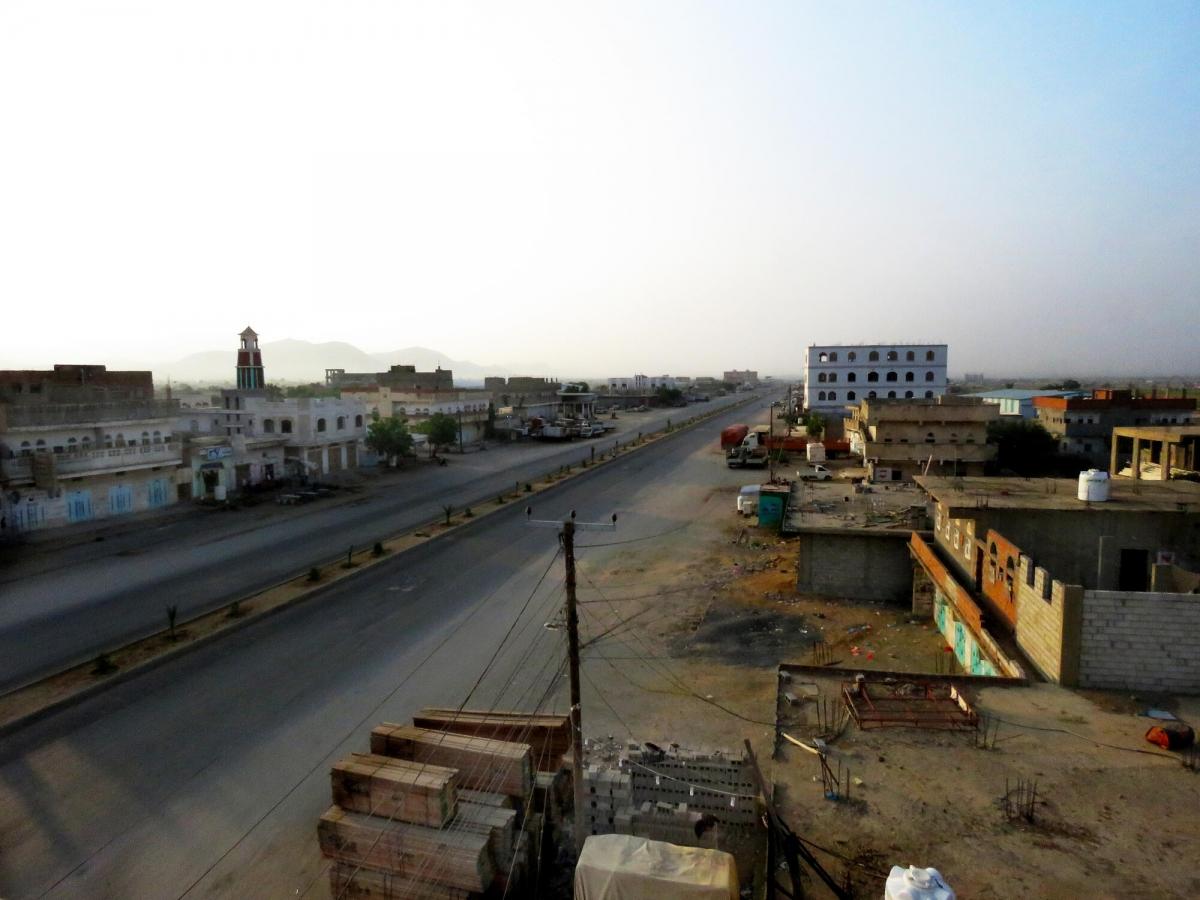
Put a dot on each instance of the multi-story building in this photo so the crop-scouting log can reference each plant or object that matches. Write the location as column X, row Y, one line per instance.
column 899, row 439
column 836, row 375
column 250, row 438
column 1084, row 425
column 747, row 378
column 79, row 442
column 640, row 384
column 401, row 378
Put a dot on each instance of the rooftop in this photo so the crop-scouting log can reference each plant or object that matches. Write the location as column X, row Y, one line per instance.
column 1157, row 432
column 1025, row 394
column 1060, row 494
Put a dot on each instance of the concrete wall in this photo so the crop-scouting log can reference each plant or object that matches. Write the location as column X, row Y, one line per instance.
column 1048, row 623
column 1140, row 642
column 863, row 564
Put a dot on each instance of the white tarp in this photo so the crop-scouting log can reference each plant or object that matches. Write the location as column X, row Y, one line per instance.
column 623, row 867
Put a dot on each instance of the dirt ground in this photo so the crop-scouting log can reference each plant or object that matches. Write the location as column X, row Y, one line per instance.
column 682, row 642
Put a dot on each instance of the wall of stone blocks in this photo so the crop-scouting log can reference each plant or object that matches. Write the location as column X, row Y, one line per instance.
column 1140, row 642
column 1048, row 622
column 858, row 565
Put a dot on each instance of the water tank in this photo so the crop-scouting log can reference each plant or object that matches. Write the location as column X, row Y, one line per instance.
column 1093, row 486
column 219, row 493
column 915, row 883
column 815, row 451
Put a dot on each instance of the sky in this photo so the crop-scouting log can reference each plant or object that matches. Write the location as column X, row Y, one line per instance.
column 605, row 188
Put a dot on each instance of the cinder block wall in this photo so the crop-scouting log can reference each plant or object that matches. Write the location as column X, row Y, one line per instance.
column 1048, row 622
column 857, row 564
column 1140, row 641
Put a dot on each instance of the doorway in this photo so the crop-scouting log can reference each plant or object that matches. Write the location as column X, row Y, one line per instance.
column 1135, row 570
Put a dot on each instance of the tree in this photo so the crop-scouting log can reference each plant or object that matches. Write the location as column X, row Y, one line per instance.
column 1070, row 384
column 814, row 425
column 668, row 396
column 274, row 392
column 390, row 438
column 441, row 429
column 1023, row 446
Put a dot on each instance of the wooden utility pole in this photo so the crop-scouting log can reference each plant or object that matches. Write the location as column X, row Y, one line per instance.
column 568, row 542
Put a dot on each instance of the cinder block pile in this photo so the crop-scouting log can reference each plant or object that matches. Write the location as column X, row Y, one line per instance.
column 439, row 812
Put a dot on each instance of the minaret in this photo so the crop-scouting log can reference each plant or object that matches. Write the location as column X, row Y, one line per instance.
column 249, row 363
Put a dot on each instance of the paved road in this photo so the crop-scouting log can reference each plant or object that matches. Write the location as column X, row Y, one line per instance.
column 63, row 606
column 209, row 773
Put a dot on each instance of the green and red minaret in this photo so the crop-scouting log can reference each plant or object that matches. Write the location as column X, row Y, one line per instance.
column 249, row 363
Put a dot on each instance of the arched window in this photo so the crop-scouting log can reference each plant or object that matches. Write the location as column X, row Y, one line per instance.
column 872, row 377
column 908, row 395
column 320, row 424
column 852, row 356
column 850, row 395
column 929, row 395
column 833, row 395
column 26, row 448
column 892, row 356
column 910, row 356
column 852, row 377
column 891, row 376
column 41, row 446
column 358, row 421
column 929, row 376
column 120, row 440
column 908, row 376
column 821, row 395
column 108, row 441
column 929, row 356
column 929, row 438
column 953, row 437
column 341, row 422
column 871, row 396
column 832, row 377
column 821, row 377
column 71, row 442
column 285, row 426
column 873, row 356
column 145, row 437
column 823, row 357
column 268, row 426
column 833, row 356
column 86, row 442
column 891, row 395
column 158, row 437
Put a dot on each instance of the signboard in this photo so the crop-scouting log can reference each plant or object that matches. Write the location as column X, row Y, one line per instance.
column 218, row 452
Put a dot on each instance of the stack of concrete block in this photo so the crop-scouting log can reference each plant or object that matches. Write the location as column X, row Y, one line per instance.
column 607, row 794
column 674, row 823
column 679, row 776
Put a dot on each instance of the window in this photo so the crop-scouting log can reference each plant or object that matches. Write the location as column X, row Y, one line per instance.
column 908, row 395
column 833, row 395
column 929, row 376
column 158, row 437
column 852, row 356
column 832, row 377
column 833, row 356
column 891, row 376
column 929, row 395
column 910, row 356
column 358, row 421
column 821, row 395
column 71, row 444
column 871, row 395
column 823, row 357
column 908, row 376
column 872, row 376
column 41, row 446
column 850, row 395
column 26, row 449
column 86, row 442
column 852, row 377
column 929, row 438
column 873, row 356
column 891, row 395
column 928, row 356
column 953, row 438
column 268, row 426
column 120, row 440
column 892, row 356
column 145, row 437
column 195, row 425
column 821, row 377
column 341, row 423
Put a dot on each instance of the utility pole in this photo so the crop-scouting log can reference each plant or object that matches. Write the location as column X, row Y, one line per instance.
column 567, row 537
column 460, row 440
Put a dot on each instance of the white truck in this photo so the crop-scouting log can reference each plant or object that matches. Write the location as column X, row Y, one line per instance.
column 813, row 472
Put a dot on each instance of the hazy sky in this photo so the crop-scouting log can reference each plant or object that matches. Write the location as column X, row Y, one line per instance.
column 607, row 188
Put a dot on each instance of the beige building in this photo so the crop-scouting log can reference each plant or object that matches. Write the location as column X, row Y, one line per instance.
column 900, row 439
column 1159, row 453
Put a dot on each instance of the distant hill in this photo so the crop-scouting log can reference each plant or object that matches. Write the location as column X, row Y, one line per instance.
column 305, row 361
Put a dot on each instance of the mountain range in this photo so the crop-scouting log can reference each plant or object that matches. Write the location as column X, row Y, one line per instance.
column 305, row 362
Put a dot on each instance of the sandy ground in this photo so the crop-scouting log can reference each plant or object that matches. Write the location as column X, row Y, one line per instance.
column 682, row 642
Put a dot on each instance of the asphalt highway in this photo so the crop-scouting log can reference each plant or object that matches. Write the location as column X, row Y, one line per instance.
column 205, row 777
column 62, row 605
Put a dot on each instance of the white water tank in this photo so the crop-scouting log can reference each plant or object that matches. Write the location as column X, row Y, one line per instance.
column 815, row 451
column 915, row 883
column 219, row 493
column 1093, row 486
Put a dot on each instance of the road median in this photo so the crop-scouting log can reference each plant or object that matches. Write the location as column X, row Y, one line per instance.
column 75, row 684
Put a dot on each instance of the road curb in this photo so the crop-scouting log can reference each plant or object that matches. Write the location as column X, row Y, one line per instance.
column 437, row 532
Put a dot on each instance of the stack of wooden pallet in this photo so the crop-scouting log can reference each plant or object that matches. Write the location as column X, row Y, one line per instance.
column 437, row 812
column 549, row 736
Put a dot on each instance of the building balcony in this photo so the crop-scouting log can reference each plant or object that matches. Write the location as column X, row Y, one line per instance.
column 90, row 462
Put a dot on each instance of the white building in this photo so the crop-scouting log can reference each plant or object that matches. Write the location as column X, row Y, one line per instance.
column 837, row 374
column 640, row 384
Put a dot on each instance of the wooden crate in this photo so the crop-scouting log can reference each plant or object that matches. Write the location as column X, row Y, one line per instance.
column 499, row 825
column 484, row 764
column 417, row 793
column 453, row 858
column 548, row 736
column 350, row 883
